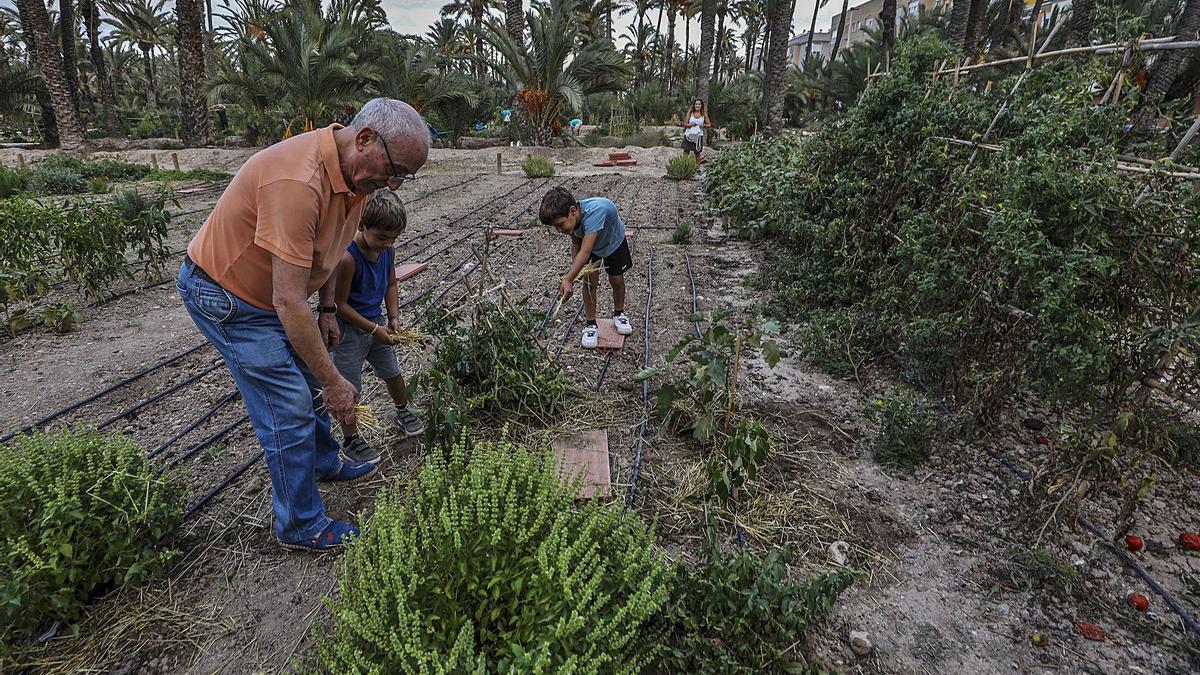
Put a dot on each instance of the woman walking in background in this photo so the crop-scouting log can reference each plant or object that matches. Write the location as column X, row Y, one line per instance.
column 694, row 124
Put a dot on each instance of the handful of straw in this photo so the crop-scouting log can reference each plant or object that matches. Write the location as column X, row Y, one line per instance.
column 364, row 415
column 586, row 270
column 408, row 337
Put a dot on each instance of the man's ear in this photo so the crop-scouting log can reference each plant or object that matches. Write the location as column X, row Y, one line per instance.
column 364, row 137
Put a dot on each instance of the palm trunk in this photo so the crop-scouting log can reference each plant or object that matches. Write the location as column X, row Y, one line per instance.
column 1081, row 22
column 707, row 9
column 751, row 38
column 687, row 42
column 719, row 47
column 960, row 16
column 1172, row 63
column 608, row 18
column 91, row 21
column 887, row 19
column 70, row 127
column 669, row 51
column 658, row 36
column 69, row 32
column 812, row 28
column 780, row 22
column 841, row 31
column 148, row 67
column 514, row 21
column 193, row 107
column 975, row 27
column 47, row 124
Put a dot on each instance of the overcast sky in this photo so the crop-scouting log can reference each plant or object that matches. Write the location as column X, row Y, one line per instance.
column 414, row 16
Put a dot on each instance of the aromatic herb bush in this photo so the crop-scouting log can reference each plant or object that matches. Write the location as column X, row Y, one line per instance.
column 81, row 513
column 168, row 175
column 1030, row 266
column 682, row 233
column 681, row 167
column 48, row 181
column 484, row 564
column 741, row 614
column 910, row 425
column 537, row 166
column 488, row 366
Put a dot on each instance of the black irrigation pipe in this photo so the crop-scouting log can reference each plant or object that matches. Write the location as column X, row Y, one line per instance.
column 208, row 440
column 107, row 390
column 133, row 409
column 567, row 332
column 1091, row 527
column 1124, row 557
column 189, row 428
column 198, row 504
column 443, row 189
column 641, row 441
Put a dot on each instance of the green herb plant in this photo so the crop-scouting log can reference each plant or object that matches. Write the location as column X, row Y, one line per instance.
column 682, row 233
column 681, row 167
column 537, row 166
column 910, row 426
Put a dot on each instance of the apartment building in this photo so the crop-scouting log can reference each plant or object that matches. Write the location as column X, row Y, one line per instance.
column 822, row 44
column 865, row 17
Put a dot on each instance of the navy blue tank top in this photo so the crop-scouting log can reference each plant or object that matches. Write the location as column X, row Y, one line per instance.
column 370, row 281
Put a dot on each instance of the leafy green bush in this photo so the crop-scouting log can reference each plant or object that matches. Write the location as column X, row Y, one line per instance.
column 489, row 366
column 49, row 181
column 681, row 167
column 487, row 565
column 112, row 169
column 537, row 166
column 741, row 614
column 169, row 175
column 81, row 513
column 99, row 186
column 682, row 233
column 11, row 182
column 910, row 425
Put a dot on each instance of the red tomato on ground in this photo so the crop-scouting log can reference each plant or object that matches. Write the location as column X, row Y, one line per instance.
column 1190, row 541
column 1043, row 440
column 1140, row 602
column 1090, row 631
column 1134, row 543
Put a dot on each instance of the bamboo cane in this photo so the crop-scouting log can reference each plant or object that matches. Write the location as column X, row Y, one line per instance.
column 1145, row 45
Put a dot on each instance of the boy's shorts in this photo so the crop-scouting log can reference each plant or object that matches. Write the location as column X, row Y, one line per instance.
column 618, row 262
column 356, row 346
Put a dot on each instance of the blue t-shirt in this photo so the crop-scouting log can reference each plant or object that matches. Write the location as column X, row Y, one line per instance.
column 370, row 281
column 599, row 214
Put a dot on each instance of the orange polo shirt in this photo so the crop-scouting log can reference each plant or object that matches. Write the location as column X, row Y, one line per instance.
column 289, row 200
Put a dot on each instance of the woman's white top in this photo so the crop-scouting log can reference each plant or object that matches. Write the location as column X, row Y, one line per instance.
column 695, row 127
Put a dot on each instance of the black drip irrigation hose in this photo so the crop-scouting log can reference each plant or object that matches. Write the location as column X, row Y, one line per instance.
column 567, row 332
column 198, row 504
column 1091, row 527
column 1124, row 557
column 442, row 189
column 208, row 440
column 687, row 260
column 107, row 390
column 191, row 427
column 133, row 409
column 641, row 441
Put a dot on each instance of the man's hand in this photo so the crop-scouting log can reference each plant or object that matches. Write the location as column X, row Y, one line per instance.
column 340, row 397
column 394, row 324
column 568, row 287
column 381, row 335
column 330, row 333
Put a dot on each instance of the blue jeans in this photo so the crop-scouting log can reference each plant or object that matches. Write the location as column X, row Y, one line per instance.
column 281, row 398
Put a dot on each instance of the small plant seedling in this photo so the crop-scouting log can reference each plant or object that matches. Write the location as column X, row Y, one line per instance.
column 682, row 233
column 214, row 451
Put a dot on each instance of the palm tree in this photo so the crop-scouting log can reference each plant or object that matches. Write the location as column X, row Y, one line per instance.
column 514, row 20
column 776, row 66
column 718, row 45
column 708, row 10
column 812, row 28
column 887, row 22
column 668, row 54
column 68, row 32
column 960, row 16
column 640, row 30
column 841, row 30
column 476, row 9
column 414, row 76
column 549, row 73
column 445, row 38
column 726, row 44
column 752, row 14
column 1081, row 22
column 142, row 24
column 975, row 27
column 1170, row 65
column 193, row 107
column 36, row 21
column 91, row 23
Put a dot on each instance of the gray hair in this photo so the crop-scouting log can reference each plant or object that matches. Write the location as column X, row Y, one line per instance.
column 392, row 119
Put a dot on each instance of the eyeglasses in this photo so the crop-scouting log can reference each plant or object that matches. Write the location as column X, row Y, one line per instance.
column 396, row 176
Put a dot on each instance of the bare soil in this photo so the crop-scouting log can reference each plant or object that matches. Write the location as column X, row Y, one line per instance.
column 944, row 584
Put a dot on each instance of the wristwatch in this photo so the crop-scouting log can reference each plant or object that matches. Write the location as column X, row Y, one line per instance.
column 327, row 309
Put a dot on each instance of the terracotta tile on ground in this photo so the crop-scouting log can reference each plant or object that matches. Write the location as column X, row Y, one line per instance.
column 585, row 451
column 410, row 270
column 609, row 338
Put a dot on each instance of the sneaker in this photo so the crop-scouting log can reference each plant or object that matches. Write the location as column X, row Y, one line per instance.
column 360, row 451
column 409, row 424
column 621, row 322
column 349, row 472
column 591, row 337
column 336, row 534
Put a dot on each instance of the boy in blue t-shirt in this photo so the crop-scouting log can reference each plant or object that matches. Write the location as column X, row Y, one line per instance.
column 597, row 233
column 366, row 279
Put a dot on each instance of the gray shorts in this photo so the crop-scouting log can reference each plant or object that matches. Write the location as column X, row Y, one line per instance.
column 355, row 346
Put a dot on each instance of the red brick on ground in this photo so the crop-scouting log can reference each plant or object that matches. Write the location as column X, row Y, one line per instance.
column 608, row 338
column 619, row 154
column 603, row 164
column 585, row 452
column 509, row 233
column 626, row 162
column 410, row 270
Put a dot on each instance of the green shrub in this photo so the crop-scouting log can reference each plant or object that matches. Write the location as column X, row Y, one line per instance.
column 682, row 233
column 49, row 181
column 488, row 367
column 81, row 513
column 169, row 175
column 741, row 614
column 487, row 565
column 11, row 182
column 99, row 186
column 537, row 166
column 910, row 425
column 681, row 167
column 112, row 169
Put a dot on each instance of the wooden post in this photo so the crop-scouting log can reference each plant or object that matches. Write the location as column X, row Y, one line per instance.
column 498, row 156
column 21, row 159
column 154, row 161
column 175, row 160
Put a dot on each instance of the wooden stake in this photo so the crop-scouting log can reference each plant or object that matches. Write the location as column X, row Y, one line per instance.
column 21, row 159
column 175, row 160
column 154, row 161
column 1144, row 45
column 498, row 156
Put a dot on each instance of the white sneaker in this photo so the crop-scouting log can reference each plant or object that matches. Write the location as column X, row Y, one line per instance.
column 591, row 337
column 621, row 322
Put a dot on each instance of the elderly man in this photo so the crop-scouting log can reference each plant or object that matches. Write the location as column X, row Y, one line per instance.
column 274, row 238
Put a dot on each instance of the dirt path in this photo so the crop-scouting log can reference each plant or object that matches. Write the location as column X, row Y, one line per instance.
column 939, row 592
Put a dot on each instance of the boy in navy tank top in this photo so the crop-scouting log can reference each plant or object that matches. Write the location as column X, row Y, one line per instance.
column 366, row 281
